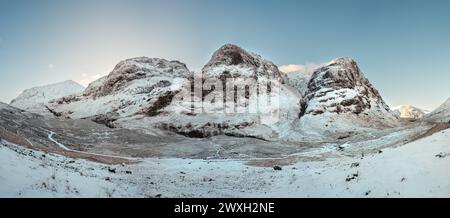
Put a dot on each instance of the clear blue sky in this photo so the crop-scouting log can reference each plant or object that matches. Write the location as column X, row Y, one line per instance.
column 402, row 46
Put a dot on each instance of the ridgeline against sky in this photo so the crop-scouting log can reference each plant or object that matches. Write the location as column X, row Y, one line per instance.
column 403, row 46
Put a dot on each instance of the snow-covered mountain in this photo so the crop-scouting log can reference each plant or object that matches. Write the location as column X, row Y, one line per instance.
column 440, row 114
column 135, row 86
column 339, row 98
column 246, row 80
column 231, row 60
column 226, row 96
column 149, row 93
column 409, row 112
column 35, row 99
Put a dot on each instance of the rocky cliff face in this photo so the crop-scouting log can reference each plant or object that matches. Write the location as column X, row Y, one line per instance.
column 340, row 99
column 341, row 87
column 231, row 60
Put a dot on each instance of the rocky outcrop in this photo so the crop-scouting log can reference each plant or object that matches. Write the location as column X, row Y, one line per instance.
column 341, row 87
column 340, row 100
column 231, row 60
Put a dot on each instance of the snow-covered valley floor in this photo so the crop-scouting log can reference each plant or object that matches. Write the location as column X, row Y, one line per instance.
column 417, row 169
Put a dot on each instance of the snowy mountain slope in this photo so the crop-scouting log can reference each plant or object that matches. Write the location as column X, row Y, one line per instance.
column 135, row 86
column 220, row 109
column 237, row 93
column 409, row 111
column 341, row 99
column 31, row 173
column 440, row 114
column 35, row 99
column 298, row 80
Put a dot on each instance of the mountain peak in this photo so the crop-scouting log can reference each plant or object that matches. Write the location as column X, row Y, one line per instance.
column 342, row 61
column 134, row 69
column 234, row 60
column 230, row 54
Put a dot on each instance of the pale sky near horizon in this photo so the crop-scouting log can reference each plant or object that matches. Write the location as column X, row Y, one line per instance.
column 402, row 46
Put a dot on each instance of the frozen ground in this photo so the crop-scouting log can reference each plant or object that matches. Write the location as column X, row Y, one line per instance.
column 416, row 169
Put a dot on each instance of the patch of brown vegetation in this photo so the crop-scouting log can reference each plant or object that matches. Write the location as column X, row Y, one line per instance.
column 21, row 141
column 286, row 161
column 95, row 157
column 436, row 128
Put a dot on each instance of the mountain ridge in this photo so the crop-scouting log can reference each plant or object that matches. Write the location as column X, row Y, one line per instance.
column 145, row 93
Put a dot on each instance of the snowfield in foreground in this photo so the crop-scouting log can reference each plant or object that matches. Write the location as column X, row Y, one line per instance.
column 417, row 169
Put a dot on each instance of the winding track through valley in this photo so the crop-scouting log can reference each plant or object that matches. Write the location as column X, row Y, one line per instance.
column 62, row 146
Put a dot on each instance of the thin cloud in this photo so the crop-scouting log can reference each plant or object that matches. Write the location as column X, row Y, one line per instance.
column 86, row 78
column 308, row 68
column 51, row 66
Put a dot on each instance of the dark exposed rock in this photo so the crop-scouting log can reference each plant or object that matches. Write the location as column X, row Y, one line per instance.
column 206, row 130
column 353, row 165
column 56, row 114
column 67, row 99
column 441, row 155
column 163, row 101
column 352, row 177
column 106, row 119
column 277, row 168
column 232, row 55
column 149, row 89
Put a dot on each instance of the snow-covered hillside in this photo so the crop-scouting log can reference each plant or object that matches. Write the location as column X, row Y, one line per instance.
column 35, row 99
column 417, row 169
column 135, row 86
column 409, row 112
column 440, row 114
column 30, row 173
